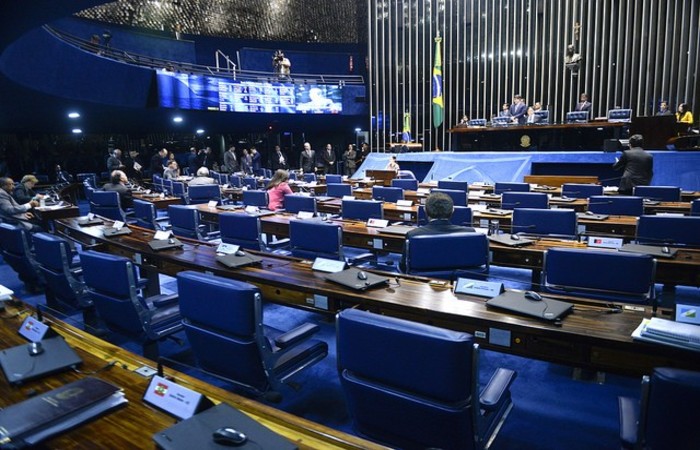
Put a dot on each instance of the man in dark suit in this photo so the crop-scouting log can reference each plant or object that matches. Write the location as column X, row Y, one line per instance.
column 638, row 166
column 157, row 162
column 328, row 159
column 278, row 160
column 117, row 184
column 518, row 109
column 583, row 104
column 307, row 160
column 13, row 212
column 438, row 208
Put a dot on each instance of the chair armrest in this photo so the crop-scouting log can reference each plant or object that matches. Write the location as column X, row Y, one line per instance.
column 629, row 416
column 296, row 335
column 363, row 257
column 161, row 301
column 141, row 283
column 498, row 385
column 77, row 272
column 278, row 244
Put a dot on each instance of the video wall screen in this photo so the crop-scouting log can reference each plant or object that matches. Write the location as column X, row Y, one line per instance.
column 200, row 92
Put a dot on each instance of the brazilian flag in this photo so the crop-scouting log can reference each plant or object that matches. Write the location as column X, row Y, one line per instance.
column 438, row 104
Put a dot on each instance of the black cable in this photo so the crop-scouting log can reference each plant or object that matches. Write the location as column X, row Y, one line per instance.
column 101, row 369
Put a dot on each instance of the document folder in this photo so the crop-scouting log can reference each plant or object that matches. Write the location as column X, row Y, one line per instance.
column 515, row 301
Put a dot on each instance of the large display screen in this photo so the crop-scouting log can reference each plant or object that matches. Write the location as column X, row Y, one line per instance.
column 186, row 91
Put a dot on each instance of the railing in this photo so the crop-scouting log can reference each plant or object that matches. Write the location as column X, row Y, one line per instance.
column 178, row 66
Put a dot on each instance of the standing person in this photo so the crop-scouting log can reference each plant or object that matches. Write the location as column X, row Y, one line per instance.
column 118, row 184
column 62, row 176
column 230, row 160
column 133, row 165
column 328, row 159
column 247, row 162
column 518, row 109
column 281, row 65
column 114, row 161
column 638, row 166
column 157, row 167
column 24, row 192
column 13, row 212
column 277, row 188
column 205, row 159
column 192, row 161
column 393, row 164
column 307, row 159
column 583, row 103
column 278, row 160
column 255, row 162
column 364, row 153
column 663, row 109
column 349, row 160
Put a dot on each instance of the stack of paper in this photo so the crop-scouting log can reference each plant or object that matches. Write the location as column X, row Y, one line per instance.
column 5, row 294
column 668, row 332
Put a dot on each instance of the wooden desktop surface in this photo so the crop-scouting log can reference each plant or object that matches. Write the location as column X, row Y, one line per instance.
column 134, row 425
column 588, row 338
column 158, row 202
column 520, row 128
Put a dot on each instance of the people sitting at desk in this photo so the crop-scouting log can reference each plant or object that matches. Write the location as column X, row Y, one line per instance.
column 439, row 208
column 117, row 184
column 172, row 171
column 531, row 116
column 24, row 192
column 664, row 109
column 583, row 104
column 13, row 212
column 277, row 188
column 202, row 177
column 684, row 115
column 505, row 111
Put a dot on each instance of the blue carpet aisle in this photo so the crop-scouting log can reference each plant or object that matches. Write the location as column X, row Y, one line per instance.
column 552, row 411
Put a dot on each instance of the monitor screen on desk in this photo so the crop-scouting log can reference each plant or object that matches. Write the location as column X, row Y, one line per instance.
column 543, row 115
column 576, row 116
column 620, row 115
column 501, row 121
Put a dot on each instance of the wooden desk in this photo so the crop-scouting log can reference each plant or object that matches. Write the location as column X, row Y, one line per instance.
column 417, row 197
column 589, row 338
column 391, row 210
column 48, row 214
column 134, row 425
column 559, row 180
column 381, row 177
column 158, row 202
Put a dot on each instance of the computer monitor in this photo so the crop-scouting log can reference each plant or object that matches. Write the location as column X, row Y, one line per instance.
column 543, row 115
column 576, row 116
column 477, row 123
column 501, row 121
column 620, row 115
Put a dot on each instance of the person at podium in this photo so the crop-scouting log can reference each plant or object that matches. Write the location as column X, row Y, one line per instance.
column 518, row 109
column 637, row 164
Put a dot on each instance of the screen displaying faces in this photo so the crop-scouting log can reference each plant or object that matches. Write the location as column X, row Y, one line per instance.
column 186, row 91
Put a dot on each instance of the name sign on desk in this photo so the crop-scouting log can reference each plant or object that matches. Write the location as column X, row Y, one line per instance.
column 212, row 203
column 305, row 215
column 227, row 249
column 404, row 203
column 488, row 289
column 162, row 235
column 252, row 209
column 118, row 224
column 605, row 242
column 348, row 197
column 174, row 399
column 33, row 329
column 377, row 223
column 328, row 265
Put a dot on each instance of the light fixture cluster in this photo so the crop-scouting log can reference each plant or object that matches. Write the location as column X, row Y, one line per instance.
column 74, row 115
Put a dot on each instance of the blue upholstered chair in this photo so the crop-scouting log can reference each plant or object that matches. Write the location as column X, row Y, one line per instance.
column 184, row 222
column 512, row 200
column 661, row 418
column 338, row 190
column 146, row 216
column 250, row 182
column 241, row 229
column 330, row 178
column 362, row 209
column 695, row 207
column 90, row 178
column 448, row 256
column 62, row 273
column 158, row 183
column 617, row 276
column 309, row 178
column 167, row 186
column 577, row 190
column 310, row 239
column 561, row 222
column 292, row 175
column 501, row 187
column 203, row 193
column 658, row 193
column 255, row 198
column 618, row 205
column 178, row 189
column 452, row 184
column 461, row 215
column 405, row 184
column 458, row 196
column 420, row 388
column 223, row 319
column 235, row 181
column 406, row 175
column 107, row 204
column 293, row 203
column 669, row 230
column 16, row 246
column 387, row 194
column 112, row 284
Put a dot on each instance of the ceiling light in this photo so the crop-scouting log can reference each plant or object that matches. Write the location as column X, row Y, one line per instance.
column 73, row 115
column 177, row 119
column 77, row 131
column 200, row 131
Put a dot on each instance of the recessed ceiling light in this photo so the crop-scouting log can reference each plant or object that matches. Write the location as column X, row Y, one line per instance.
column 200, row 131
column 73, row 115
column 77, row 130
column 177, row 119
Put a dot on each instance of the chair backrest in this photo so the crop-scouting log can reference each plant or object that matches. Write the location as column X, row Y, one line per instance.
column 309, row 177
column 695, row 207
column 203, row 193
column 579, row 190
column 91, row 178
column 223, row 179
column 405, row 184
column 178, row 189
column 477, row 122
column 544, row 221
column 255, row 198
column 447, row 255
column 292, row 175
column 330, row 178
column 107, row 204
column 620, row 115
column 387, row 194
column 621, row 205
column 406, row 175
column 293, row 203
column 184, row 221
column 501, row 187
column 658, row 193
column 145, row 214
column 362, row 209
column 665, row 420
column 338, row 190
column 250, row 182
column 88, row 190
column 576, row 116
column 158, row 182
column 603, row 274
column 240, row 229
column 669, row 230
column 235, row 181
column 512, row 200
column 16, row 251
column 54, row 257
column 452, row 184
column 461, row 215
column 458, row 196
column 422, row 371
column 167, row 186
column 311, row 239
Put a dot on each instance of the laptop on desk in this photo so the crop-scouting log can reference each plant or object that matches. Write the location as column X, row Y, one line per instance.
column 547, row 308
column 591, row 216
column 86, row 222
column 19, row 365
column 350, row 279
column 498, row 212
column 164, row 244
column 397, row 229
column 653, row 250
column 109, row 232
column 507, row 239
column 232, row 260
column 230, row 207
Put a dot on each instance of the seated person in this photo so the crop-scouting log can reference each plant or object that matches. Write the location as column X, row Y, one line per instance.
column 24, row 192
column 202, row 177
column 531, row 116
column 13, row 212
column 172, row 171
column 277, row 188
column 117, row 184
column 439, row 208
